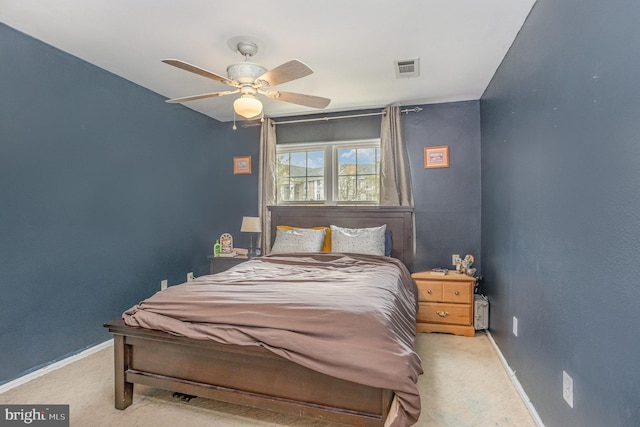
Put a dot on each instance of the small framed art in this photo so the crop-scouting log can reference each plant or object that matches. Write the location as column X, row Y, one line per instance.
column 242, row 165
column 436, row 157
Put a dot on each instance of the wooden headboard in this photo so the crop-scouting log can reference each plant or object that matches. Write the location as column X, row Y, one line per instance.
column 397, row 218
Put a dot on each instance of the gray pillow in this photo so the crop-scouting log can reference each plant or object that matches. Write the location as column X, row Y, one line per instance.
column 358, row 240
column 298, row 240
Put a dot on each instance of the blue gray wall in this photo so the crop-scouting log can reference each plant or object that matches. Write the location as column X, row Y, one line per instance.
column 105, row 190
column 561, row 209
column 447, row 200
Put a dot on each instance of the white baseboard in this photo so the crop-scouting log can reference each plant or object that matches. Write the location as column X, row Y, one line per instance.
column 54, row 366
column 516, row 384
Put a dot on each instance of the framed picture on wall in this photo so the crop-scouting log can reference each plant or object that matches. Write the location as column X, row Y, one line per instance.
column 436, row 157
column 242, row 165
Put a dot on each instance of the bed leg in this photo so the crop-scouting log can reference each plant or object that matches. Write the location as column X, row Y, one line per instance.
column 122, row 358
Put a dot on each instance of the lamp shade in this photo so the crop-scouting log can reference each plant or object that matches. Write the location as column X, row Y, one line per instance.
column 247, row 106
column 251, row 224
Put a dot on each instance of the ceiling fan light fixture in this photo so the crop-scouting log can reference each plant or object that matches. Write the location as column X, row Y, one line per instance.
column 249, row 79
column 248, row 106
column 245, row 72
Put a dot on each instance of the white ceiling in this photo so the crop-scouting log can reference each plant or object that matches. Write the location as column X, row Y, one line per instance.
column 350, row 44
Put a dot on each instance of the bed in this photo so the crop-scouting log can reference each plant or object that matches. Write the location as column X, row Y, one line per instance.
column 271, row 376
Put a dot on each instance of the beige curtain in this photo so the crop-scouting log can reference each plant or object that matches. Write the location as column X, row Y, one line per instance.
column 266, row 180
column 395, row 173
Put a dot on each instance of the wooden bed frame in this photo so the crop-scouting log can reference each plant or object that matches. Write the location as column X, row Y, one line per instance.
column 254, row 376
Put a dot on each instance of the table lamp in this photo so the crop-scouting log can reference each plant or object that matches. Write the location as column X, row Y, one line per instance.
column 251, row 225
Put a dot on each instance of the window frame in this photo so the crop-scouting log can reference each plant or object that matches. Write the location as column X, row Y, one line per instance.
column 330, row 149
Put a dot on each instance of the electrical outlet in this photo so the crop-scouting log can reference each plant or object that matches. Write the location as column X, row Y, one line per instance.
column 455, row 259
column 163, row 285
column 567, row 388
column 515, row 326
column 190, row 276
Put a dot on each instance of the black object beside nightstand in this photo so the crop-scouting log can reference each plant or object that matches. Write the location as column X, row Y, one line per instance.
column 218, row 264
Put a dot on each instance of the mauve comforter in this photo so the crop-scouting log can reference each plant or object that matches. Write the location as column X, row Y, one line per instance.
column 345, row 315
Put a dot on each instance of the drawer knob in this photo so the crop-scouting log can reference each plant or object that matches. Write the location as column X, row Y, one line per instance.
column 457, row 292
column 442, row 313
column 429, row 291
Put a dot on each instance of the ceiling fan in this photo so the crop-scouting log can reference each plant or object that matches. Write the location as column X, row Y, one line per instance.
column 249, row 79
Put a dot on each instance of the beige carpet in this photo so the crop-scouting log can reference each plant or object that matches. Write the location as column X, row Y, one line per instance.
column 463, row 385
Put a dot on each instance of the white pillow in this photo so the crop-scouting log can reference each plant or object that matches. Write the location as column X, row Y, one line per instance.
column 358, row 240
column 298, row 240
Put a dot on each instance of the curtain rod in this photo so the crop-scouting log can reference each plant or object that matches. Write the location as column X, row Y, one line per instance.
column 319, row 119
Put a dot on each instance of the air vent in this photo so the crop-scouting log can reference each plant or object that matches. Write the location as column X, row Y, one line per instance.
column 407, row 68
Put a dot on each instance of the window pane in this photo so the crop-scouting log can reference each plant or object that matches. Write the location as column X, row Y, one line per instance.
column 282, row 165
column 283, row 189
column 298, row 164
column 315, row 188
column 346, row 188
column 368, row 188
column 298, row 189
column 347, row 162
column 367, row 161
column 315, row 163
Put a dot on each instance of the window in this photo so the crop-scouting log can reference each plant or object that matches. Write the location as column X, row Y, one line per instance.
column 358, row 174
column 337, row 172
column 300, row 175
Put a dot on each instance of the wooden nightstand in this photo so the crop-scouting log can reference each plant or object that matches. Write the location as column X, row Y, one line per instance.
column 218, row 264
column 445, row 303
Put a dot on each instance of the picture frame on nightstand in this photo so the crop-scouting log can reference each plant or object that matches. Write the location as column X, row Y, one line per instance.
column 226, row 245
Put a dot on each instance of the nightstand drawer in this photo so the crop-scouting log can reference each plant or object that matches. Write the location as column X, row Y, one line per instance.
column 429, row 291
column 456, row 314
column 220, row 264
column 457, row 293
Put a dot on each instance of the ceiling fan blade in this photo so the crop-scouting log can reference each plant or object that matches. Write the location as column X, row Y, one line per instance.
column 197, row 70
column 203, row 96
column 286, row 72
column 298, row 98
